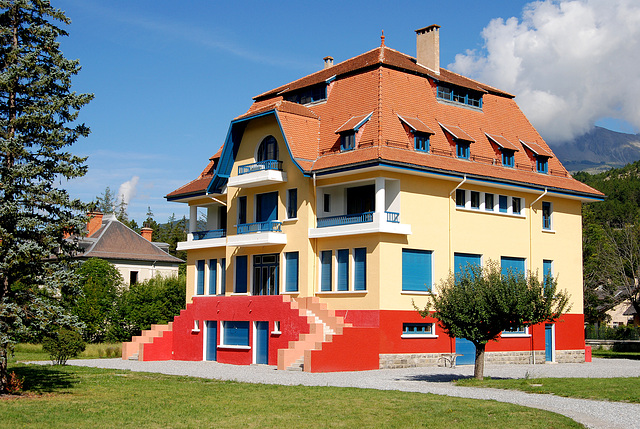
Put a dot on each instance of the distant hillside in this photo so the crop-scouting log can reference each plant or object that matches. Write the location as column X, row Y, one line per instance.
column 599, row 150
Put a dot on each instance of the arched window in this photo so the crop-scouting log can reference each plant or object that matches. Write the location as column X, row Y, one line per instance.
column 268, row 149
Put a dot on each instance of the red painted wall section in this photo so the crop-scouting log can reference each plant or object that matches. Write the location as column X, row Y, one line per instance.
column 361, row 318
column 391, row 331
column 355, row 350
column 160, row 349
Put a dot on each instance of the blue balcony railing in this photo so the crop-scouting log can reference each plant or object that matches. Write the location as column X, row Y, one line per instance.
column 345, row 219
column 270, row 164
column 393, row 217
column 214, row 233
column 269, row 226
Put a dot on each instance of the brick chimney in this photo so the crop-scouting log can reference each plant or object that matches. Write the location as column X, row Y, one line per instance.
column 428, row 47
column 146, row 233
column 328, row 62
column 95, row 222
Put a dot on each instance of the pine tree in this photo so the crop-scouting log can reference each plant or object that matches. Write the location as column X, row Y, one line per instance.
column 38, row 113
column 106, row 202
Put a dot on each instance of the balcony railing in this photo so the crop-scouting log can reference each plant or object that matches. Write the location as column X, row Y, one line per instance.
column 214, row 233
column 269, row 226
column 393, row 217
column 345, row 219
column 270, row 164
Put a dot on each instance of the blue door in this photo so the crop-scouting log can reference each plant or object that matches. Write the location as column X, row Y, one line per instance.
column 467, row 350
column 211, row 339
column 262, row 342
column 548, row 342
column 267, row 207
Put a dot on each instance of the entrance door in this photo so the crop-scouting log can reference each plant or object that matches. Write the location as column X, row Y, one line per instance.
column 267, row 207
column 262, row 343
column 265, row 275
column 467, row 350
column 549, row 345
column 211, row 340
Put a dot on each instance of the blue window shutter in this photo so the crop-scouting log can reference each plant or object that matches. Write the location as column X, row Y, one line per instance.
column 516, row 265
column 236, row 333
column 547, row 267
column 343, row 269
column 416, row 270
column 213, row 276
column 360, row 268
column 325, row 270
column 223, row 275
column 462, row 260
column 504, row 203
column 291, row 275
column 200, row 277
column 241, row 274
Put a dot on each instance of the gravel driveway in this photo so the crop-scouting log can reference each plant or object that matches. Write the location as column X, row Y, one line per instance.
column 593, row 414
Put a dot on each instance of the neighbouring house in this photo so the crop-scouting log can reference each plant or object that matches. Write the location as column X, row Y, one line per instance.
column 623, row 314
column 341, row 198
column 135, row 256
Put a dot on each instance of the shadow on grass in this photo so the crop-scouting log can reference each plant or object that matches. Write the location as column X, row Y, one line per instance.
column 443, row 378
column 44, row 379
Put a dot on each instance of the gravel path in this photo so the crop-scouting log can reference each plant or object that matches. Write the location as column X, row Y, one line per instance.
column 593, row 414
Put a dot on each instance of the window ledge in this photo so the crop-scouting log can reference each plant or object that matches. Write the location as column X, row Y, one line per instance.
column 223, row 346
column 276, row 332
column 549, row 231
column 290, row 293
column 516, row 336
column 195, row 331
column 240, row 294
column 418, row 336
column 290, row 220
column 416, row 292
column 342, row 292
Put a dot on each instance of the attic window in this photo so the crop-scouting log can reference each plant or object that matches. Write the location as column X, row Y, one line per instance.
column 349, row 129
column 420, row 131
column 348, row 141
column 507, row 158
column 460, row 95
column 540, row 155
column 308, row 95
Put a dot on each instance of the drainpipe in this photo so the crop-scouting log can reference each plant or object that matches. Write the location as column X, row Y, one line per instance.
column 451, row 193
column 315, row 275
column 533, row 351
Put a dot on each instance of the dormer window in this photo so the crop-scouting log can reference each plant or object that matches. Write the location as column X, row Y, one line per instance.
column 460, row 95
column 539, row 155
column 461, row 139
column 348, row 141
column 542, row 164
column 419, row 130
column 421, row 142
column 507, row 149
column 349, row 130
column 268, row 149
column 462, row 149
column 508, row 158
column 311, row 94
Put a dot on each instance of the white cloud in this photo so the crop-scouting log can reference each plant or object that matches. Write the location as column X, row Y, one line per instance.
column 569, row 63
column 127, row 190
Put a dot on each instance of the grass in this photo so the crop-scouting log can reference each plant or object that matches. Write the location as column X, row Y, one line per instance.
column 606, row 389
column 610, row 354
column 33, row 352
column 72, row 397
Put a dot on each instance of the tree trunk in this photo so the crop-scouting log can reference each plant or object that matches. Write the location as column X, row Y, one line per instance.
column 478, row 370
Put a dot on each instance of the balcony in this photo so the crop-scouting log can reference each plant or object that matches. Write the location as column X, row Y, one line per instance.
column 258, row 234
column 204, row 240
column 360, row 223
column 259, row 174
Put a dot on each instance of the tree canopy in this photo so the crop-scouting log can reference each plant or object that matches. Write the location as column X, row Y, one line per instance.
column 479, row 303
column 38, row 122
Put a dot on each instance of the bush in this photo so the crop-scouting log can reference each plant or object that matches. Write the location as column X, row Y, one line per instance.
column 14, row 386
column 63, row 345
column 593, row 332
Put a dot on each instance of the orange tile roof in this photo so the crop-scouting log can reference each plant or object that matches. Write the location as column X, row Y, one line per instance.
column 392, row 85
column 536, row 149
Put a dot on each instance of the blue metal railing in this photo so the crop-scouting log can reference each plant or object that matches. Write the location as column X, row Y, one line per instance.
column 270, row 164
column 269, row 226
column 345, row 219
column 214, row 233
column 393, row 217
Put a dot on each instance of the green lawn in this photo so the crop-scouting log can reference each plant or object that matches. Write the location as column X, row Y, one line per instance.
column 72, row 397
column 609, row 354
column 606, row 389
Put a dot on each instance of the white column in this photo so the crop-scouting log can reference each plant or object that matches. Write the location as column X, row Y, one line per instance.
column 380, row 195
column 193, row 218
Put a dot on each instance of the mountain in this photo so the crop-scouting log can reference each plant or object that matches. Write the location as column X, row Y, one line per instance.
column 598, row 150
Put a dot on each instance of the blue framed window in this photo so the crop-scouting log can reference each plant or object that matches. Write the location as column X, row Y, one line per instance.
column 464, row 261
column 475, row 200
column 418, row 329
column 200, row 277
column 542, row 164
column 325, row 270
column 309, row 94
column 213, row 276
column 503, row 202
column 268, row 149
column 242, row 210
column 546, row 215
column 223, row 275
column 360, row 268
column 459, row 95
column 291, row 271
column 292, row 203
column 488, row 202
column 547, row 268
column 513, row 266
column 462, row 150
column 417, row 270
column 515, row 330
column 348, row 141
column 508, row 158
column 241, row 274
column 343, row 269
column 516, row 205
column 461, row 197
column 421, row 142
column 235, row 333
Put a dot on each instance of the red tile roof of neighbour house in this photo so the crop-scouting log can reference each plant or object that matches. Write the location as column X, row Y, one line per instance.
column 397, row 92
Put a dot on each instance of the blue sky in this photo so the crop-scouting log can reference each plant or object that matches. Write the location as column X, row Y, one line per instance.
column 169, row 76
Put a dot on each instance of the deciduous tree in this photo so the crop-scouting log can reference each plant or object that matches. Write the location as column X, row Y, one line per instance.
column 479, row 303
column 38, row 122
